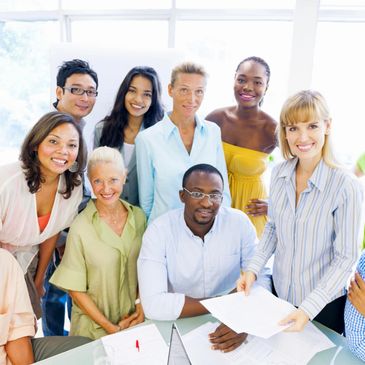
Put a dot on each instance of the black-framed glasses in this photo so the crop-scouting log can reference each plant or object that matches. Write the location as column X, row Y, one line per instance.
column 80, row 91
column 198, row 195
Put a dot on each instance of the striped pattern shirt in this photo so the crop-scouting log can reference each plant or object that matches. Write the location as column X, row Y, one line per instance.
column 355, row 321
column 316, row 242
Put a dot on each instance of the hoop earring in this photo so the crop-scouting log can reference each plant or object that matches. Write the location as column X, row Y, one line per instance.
column 74, row 167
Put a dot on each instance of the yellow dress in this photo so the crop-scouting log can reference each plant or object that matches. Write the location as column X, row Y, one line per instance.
column 245, row 168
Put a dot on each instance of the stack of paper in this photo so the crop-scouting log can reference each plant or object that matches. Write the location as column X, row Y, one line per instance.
column 138, row 345
column 257, row 313
column 283, row 348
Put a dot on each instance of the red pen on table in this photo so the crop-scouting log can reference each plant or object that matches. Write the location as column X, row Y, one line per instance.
column 137, row 345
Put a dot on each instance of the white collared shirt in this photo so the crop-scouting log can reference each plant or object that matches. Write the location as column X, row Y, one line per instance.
column 173, row 262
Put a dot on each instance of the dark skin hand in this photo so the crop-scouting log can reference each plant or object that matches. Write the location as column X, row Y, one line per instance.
column 192, row 307
column 257, row 207
column 356, row 293
column 225, row 339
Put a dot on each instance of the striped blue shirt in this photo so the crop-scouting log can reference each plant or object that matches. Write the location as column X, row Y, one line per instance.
column 316, row 242
column 355, row 321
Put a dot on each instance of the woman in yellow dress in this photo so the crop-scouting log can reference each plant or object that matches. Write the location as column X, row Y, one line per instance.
column 248, row 136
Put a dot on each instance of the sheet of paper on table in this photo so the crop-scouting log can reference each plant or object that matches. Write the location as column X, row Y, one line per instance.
column 283, row 348
column 257, row 313
column 122, row 348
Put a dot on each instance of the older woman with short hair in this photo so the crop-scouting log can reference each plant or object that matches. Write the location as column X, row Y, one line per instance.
column 99, row 267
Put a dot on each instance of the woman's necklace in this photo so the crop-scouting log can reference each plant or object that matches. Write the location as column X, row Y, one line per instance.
column 114, row 218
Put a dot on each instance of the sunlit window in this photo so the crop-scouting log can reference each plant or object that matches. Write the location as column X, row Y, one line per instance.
column 24, row 5
column 338, row 74
column 138, row 34
column 24, row 78
column 221, row 45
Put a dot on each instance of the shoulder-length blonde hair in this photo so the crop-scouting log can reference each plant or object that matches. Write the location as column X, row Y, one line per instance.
column 302, row 107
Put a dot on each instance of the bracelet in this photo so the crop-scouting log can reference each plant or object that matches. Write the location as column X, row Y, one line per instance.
column 138, row 301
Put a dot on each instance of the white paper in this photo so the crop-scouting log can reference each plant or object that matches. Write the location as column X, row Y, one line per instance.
column 121, row 346
column 283, row 348
column 257, row 313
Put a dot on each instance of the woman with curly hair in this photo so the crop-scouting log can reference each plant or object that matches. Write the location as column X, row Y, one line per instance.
column 40, row 194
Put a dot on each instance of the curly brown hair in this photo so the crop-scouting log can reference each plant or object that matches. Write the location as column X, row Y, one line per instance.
column 29, row 157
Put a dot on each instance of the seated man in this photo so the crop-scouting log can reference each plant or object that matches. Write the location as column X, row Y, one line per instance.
column 194, row 253
column 17, row 320
column 355, row 312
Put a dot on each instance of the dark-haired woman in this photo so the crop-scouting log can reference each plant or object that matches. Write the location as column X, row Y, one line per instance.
column 137, row 106
column 39, row 196
column 248, row 136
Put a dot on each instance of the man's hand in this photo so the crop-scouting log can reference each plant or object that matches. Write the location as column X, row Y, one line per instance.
column 356, row 293
column 245, row 282
column 256, row 207
column 225, row 339
column 298, row 319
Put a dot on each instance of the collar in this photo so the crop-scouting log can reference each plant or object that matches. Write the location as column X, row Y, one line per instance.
column 93, row 216
column 169, row 127
column 318, row 178
column 189, row 231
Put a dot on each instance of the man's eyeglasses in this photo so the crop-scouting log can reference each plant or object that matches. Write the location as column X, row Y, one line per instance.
column 213, row 197
column 79, row 91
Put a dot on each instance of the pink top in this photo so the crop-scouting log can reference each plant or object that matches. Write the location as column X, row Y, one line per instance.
column 16, row 314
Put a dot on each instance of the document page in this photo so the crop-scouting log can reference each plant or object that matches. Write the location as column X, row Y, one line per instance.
column 136, row 346
column 257, row 313
column 283, row 348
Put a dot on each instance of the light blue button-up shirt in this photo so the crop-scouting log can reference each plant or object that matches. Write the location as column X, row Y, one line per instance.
column 162, row 160
column 316, row 242
column 173, row 262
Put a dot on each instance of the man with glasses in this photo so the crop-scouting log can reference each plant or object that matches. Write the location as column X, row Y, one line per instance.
column 194, row 253
column 76, row 94
column 76, row 90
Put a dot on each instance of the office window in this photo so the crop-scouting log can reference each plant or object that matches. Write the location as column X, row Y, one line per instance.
column 24, row 79
column 138, row 34
column 339, row 75
column 115, row 4
column 342, row 3
column 235, row 4
column 23, row 5
column 221, row 45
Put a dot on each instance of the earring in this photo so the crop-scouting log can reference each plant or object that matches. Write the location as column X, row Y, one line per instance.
column 74, row 167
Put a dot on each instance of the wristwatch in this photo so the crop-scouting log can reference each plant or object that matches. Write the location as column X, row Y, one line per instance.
column 138, row 301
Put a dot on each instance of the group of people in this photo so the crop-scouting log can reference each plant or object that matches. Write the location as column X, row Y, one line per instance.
column 178, row 205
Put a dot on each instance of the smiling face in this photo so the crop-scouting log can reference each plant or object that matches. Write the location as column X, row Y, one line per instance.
column 187, row 94
column 58, row 151
column 250, row 84
column 107, row 180
column 139, row 96
column 306, row 140
column 79, row 106
column 199, row 213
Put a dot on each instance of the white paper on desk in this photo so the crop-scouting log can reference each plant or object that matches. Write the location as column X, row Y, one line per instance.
column 283, row 348
column 257, row 313
column 121, row 346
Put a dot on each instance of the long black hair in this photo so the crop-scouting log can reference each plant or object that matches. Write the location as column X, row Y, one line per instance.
column 114, row 124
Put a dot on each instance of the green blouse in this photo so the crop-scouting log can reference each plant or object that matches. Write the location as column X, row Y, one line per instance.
column 102, row 264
